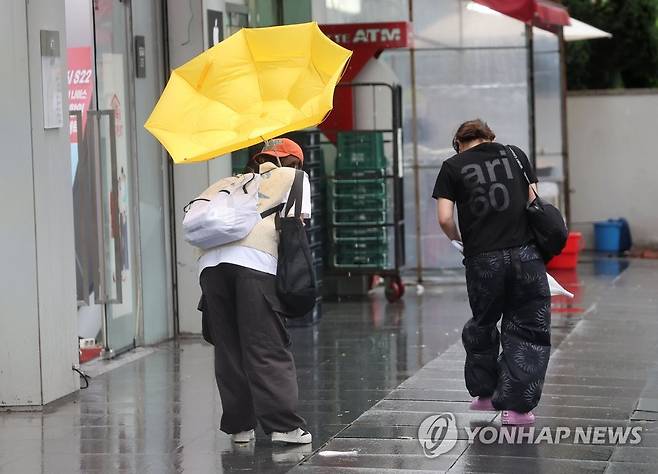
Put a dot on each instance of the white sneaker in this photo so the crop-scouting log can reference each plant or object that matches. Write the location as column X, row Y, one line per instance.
column 243, row 437
column 298, row 436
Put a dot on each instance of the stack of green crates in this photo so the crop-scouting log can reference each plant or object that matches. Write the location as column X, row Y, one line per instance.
column 359, row 202
column 360, row 151
column 239, row 161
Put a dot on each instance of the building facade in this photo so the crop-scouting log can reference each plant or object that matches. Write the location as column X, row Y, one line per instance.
column 91, row 243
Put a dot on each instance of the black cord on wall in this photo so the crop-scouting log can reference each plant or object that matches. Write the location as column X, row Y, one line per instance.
column 84, row 376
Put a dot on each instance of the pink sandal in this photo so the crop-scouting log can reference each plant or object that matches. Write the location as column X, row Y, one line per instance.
column 482, row 404
column 515, row 418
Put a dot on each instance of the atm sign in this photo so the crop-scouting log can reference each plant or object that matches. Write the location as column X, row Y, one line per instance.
column 383, row 35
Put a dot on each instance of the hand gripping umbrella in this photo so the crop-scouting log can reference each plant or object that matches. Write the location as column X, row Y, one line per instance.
column 255, row 85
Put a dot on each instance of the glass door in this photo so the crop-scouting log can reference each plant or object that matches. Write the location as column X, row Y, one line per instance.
column 103, row 171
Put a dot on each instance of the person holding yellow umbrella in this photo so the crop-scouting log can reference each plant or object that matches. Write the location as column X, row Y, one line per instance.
column 254, row 367
column 258, row 84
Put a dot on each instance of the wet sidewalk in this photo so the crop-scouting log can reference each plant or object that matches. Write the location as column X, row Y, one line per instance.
column 603, row 373
column 369, row 374
column 160, row 414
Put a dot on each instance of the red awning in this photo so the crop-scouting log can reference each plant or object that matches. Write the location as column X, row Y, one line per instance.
column 541, row 12
column 523, row 10
column 552, row 13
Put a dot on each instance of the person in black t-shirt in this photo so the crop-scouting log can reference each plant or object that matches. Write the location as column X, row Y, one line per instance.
column 505, row 273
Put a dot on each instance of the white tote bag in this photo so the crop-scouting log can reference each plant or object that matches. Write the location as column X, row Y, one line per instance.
column 229, row 215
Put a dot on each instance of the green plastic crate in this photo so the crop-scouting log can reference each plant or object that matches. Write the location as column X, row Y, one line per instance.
column 360, row 246
column 352, row 187
column 361, row 174
column 239, row 160
column 360, row 259
column 350, row 217
column 360, row 150
column 361, row 234
column 359, row 201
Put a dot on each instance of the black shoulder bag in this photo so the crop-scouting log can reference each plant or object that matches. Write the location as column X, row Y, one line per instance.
column 295, row 278
column 545, row 220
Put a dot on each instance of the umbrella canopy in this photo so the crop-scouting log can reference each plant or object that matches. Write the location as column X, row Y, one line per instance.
column 255, row 85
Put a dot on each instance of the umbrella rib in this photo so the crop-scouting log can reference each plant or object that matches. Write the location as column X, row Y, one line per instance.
column 319, row 75
column 203, row 76
column 253, row 60
column 315, row 68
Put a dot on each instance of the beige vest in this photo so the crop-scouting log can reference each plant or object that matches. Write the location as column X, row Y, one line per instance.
column 274, row 186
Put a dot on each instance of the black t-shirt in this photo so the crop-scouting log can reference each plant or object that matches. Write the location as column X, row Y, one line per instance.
column 491, row 195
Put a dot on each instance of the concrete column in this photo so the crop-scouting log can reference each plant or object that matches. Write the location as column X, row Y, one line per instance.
column 38, row 339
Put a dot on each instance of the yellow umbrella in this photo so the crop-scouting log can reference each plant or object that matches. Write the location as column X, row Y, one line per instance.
column 255, row 85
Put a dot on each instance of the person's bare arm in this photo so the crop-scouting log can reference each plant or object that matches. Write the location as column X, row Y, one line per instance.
column 445, row 210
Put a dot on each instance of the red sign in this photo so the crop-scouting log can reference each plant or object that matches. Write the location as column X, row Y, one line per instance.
column 367, row 40
column 378, row 35
column 81, row 86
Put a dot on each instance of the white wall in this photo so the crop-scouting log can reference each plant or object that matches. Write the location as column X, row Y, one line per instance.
column 373, row 107
column 613, row 161
column 53, row 205
column 38, row 316
column 359, row 11
column 19, row 317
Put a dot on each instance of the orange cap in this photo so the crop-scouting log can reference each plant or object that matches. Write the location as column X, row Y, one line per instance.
column 280, row 147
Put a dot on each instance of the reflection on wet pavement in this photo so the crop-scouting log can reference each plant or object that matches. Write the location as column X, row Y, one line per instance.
column 387, row 365
column 160, row 414
column 603, row 375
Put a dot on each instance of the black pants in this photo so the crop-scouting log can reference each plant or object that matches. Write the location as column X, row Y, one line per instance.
column 254, row 367
column 511, row 283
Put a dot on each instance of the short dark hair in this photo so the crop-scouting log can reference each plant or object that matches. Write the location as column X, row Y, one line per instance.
column 473, row 130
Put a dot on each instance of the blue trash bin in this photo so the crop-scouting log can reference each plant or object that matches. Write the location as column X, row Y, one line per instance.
column 613, row 235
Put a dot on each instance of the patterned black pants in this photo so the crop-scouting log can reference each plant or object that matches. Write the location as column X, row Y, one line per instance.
column 511, row 283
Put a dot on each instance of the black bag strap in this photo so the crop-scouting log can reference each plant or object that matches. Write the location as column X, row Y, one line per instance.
column 296, row 194
column 271, row 211
column 244, row 186
column 523, row 170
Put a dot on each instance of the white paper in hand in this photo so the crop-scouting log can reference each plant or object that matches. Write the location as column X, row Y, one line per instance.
column 556, row 288
column 458, row 245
